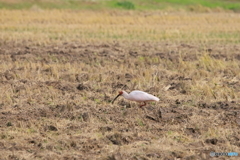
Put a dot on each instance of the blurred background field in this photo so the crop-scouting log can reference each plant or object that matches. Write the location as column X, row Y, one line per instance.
column 64, row 25
column 45, row 21
column 190, row 5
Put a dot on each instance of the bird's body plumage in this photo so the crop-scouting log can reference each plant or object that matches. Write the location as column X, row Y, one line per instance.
column 138, row 96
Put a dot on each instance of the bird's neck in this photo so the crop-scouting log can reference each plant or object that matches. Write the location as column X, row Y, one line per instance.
column 125, row 95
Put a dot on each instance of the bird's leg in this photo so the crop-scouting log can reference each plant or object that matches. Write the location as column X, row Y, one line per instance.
column 144, row 104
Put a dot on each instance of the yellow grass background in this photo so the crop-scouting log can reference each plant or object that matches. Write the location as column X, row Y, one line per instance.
column 44, row 26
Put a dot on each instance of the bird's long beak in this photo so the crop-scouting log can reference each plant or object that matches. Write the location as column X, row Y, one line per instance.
column 116, row 98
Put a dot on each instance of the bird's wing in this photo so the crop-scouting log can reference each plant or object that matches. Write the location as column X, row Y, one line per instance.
column 142, row 96
column 154, row 98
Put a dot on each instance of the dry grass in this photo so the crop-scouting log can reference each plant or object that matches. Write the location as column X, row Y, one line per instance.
column 55, row 25
column 59, row 70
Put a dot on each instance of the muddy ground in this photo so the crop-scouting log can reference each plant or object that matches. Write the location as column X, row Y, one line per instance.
column 56, row 102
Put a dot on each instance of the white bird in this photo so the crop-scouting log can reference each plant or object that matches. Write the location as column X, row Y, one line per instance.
column 138, row 96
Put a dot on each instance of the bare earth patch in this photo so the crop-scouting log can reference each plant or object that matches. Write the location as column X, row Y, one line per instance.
column 55, row 101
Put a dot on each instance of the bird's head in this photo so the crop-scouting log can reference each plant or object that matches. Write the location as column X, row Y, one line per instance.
column 119, row 94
